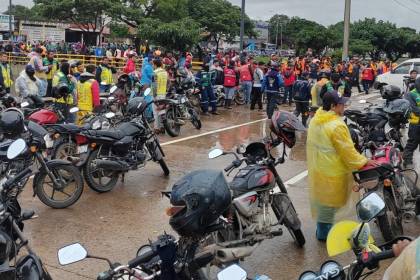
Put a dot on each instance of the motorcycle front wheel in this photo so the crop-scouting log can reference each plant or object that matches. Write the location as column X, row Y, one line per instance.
column 239, row 97
column 65, row 191
column 98, row 179
column 195, row 119
column 390, row 223
column 171, row 127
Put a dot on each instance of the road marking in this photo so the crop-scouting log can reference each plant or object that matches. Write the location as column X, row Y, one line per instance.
column 293, row 180
column 210, row 132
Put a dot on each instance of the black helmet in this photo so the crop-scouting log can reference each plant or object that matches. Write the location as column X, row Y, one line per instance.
column 390, row 92
column 202, row 197
column 12, row 122
column 324, row 74
column 417, row 84
column 136, row 106
column 284, row 124
column 356, row 139
column 62, row 90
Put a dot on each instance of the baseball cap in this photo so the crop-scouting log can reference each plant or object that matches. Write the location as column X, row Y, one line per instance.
column 334, row 97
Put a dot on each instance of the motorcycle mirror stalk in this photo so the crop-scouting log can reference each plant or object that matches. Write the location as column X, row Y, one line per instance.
column 76, row 252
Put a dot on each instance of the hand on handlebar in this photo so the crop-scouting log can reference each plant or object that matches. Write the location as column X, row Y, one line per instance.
column 372, row 162
column 400, row 246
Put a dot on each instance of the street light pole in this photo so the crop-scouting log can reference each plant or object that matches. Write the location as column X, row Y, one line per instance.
column 241, row 43
column 347, row 10
column 281, row 36
column 277, row 33
column 10, row 20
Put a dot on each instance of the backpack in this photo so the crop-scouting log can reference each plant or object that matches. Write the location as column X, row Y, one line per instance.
column 272, row 81
column 301, row 91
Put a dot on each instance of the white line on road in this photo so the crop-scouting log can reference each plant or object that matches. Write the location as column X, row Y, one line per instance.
column 210, row 132
column 293, row 180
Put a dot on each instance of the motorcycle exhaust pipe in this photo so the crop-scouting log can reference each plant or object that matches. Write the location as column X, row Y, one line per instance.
column 111, row 165
column 227, row 255
column 73, row 160
column 409, row 216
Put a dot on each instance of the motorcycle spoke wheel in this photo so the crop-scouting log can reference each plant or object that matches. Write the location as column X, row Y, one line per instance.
column 63, row 194
column 170, row 123
column 98, row 179
column 390, row 223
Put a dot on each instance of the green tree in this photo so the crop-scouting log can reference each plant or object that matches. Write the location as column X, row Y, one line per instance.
column 24, row 13
column 277, row 24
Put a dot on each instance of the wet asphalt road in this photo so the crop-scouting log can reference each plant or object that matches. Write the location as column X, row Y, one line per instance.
column 116, row 224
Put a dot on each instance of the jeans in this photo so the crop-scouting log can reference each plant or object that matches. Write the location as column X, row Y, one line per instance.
column 256, row 98
column 43, row 87
column 208, row 96
column 288, row 94
column 302, row 107
column 366, row 85
column 247, row 89
column 273, row 99
column 104, row 88
column 412, row 143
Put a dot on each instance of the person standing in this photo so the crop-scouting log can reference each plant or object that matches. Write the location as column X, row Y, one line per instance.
column 302, row 95
column 160, row 87
column 368, row 76
column 256, row 87
column 205, row 79
column 50, row 60
column 414, row 129
column 6, row 77
column 246, row 73
column 356, row 76
column 40, row 70
column 289, row 79
column 230, row 82
column 27, row 84
column 104, row 75
column 87, row 92
column 130, row 66
column 316, row 91
column 338, row 84
column 65, row 100
column 272, row 84
column 331, row 158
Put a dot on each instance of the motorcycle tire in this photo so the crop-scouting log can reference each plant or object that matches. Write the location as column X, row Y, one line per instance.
column 195, row 119
column 195, row 102
column 388, row 223
column 63, row 150
column 239, row 97
column 220, row 102
column 76, row 179
column 88, row 173
column 170, row 123
column 164, row 167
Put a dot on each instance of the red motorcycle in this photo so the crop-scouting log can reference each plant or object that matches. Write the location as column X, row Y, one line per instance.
column 393, row 184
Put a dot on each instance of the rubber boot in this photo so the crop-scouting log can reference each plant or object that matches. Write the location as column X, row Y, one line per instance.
column 322, row 230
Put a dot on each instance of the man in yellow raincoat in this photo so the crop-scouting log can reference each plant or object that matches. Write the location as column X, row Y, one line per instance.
column 331, row 158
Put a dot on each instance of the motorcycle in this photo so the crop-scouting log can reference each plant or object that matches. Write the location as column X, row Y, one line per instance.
column 57, row 183
column 114, row 152
column 175, row 111
column 238, row 97
column 349, row 235
column 28, row 266
column 257, row 211
column 391, row 182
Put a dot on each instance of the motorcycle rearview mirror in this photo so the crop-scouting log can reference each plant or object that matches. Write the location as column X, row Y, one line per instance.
column 147, row 92
column 113, row 89
column 370, row 207
column 71, row 254
column 233, row 272
column 215, row 153
column 241, row 149
column 16, row 148
column 24, row 104
column 109, row 115
column 74, row 110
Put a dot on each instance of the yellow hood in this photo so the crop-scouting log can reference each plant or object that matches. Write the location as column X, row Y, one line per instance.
column 322, row 117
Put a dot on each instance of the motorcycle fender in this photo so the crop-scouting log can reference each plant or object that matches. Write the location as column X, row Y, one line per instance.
column 156, row 151
column 31, row 268
column 289, row 214
column 50, row 163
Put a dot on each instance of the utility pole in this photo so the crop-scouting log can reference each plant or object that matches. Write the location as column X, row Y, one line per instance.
column 281, row 36
column 347, row 10
column 241, row 43
column 10, row 20
column 277, row 33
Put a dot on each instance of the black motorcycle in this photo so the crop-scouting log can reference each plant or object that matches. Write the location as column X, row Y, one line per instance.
column 28, row 266
column 128, row 146
column 57, row 183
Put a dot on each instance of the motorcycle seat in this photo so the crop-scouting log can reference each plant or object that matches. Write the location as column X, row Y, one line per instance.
column 63, row 128
column 125, row 129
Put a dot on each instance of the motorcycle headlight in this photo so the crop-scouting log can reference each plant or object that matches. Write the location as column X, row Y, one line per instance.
column 308, row 275
column 331, row 268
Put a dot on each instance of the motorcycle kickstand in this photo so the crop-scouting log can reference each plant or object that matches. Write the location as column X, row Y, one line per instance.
column 123, row 178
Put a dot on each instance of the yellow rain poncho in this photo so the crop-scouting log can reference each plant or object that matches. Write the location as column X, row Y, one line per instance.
column 331, row 158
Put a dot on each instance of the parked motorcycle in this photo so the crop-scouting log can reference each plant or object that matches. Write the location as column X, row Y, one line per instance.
column 238, row 97
column 175, row 111
column 257, row 212
column 391, row 182
column 128, row 146
column 349, row 235
column 27, row 266
column 57, row 183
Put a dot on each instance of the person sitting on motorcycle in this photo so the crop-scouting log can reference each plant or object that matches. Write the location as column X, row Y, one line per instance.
column 337, row 84
column 411, row 80
column 316, row 91
column 161, row 84
column 331, row 158
column 87, row 92
column 27, row 84
column 414, row 129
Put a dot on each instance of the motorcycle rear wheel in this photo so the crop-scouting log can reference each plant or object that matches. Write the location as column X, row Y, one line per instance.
column 389, row 223
column 170, row 123
column 239, row 97
column 61, row 172
column 89, row 171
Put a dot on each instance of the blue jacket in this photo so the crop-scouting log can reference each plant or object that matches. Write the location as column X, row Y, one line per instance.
column 268, row 85
column 146, row 73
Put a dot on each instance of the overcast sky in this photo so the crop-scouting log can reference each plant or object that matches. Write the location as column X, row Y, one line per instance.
column 402, row 12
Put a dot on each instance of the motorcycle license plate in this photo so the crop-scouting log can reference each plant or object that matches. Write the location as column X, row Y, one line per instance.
column 82, row 149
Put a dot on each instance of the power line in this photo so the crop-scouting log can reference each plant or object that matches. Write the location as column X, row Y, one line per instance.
column 415, row 2
column 405, row 6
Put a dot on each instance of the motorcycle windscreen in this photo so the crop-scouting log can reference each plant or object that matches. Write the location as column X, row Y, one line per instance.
column 338, row 240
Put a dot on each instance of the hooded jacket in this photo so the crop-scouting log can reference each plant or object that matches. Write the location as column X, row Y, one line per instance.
column 331, row 158
column 88, row 92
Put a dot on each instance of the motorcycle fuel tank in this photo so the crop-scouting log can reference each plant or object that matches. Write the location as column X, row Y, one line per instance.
column 44, row 116
column 252, row 178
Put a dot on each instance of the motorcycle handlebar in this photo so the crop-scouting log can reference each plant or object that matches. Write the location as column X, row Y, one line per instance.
column 142, row 259
column 10, row 182
column 388, row 254
column 228, row 168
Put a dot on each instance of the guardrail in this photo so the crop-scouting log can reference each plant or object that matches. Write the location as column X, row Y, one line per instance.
column 118, row 63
